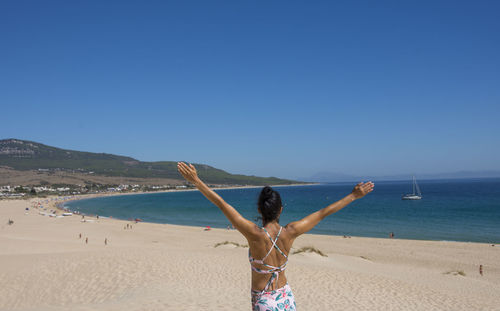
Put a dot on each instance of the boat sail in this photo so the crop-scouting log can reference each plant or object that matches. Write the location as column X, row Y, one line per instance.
column 415, row 195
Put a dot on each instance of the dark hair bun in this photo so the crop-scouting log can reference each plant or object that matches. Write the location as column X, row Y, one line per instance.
column 267, row 191
column 269, row 204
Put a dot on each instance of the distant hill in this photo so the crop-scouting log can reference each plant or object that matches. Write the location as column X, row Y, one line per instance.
column 338, row 177
column 22, row 155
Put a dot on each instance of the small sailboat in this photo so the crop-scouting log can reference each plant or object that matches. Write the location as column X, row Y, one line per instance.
column 416, row 195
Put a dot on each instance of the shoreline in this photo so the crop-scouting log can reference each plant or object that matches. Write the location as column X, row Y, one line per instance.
column 80, row 197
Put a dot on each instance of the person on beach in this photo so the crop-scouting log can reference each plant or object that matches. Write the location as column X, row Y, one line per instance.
column 270, row 244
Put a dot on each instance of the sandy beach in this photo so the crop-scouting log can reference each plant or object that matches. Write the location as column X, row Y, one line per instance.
column 45, row 265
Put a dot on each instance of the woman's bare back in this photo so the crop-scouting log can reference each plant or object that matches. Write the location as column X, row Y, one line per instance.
column 259, row 248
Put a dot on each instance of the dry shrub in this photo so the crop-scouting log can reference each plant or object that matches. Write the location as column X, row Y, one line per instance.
column 456, row 272
column 309, row 249
column 231, row 243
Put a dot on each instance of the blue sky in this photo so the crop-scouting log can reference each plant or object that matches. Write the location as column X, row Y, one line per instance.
column 271, row 88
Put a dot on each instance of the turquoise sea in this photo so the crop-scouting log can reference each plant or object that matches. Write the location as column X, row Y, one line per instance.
column 454, row 210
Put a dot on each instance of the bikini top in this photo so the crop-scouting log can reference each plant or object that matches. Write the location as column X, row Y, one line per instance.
column 270, row 269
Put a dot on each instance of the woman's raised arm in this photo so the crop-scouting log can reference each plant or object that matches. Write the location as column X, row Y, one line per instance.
column 297, row 228
column 243, row 225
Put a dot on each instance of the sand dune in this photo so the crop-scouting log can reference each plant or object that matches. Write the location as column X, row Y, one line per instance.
column 44, row 265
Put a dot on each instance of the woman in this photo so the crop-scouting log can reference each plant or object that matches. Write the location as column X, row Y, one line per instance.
column 270, row 245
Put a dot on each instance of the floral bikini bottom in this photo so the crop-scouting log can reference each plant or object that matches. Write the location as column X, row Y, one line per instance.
column 280, row 299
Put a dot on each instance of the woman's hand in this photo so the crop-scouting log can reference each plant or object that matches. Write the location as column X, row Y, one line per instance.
column 362, row 189
column 188, row 172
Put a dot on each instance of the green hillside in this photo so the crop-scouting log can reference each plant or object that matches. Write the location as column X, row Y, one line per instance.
column 27, row 155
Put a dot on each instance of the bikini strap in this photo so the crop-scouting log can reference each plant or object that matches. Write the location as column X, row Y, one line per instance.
column 274, row 242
